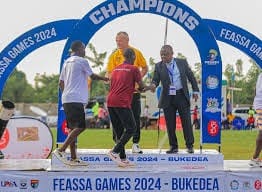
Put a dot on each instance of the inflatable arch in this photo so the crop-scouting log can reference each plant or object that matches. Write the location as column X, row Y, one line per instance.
column 189, row 21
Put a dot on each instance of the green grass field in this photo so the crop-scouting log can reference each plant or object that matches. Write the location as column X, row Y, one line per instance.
column 238, row 145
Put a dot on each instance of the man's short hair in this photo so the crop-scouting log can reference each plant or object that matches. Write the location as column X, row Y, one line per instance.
column 129, row 53
column 122, row 33
column 76, row 45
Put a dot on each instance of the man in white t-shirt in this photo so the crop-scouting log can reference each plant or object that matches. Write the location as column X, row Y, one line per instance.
column 74, row 87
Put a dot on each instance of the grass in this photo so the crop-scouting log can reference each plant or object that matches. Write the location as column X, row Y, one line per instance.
column 237, row 145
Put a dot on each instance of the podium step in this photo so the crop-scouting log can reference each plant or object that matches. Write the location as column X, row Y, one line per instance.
column 200, row 160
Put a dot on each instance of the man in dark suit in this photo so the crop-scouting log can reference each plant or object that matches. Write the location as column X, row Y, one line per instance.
column 173, row 73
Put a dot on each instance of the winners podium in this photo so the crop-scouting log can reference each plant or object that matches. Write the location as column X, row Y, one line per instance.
column 150, row 159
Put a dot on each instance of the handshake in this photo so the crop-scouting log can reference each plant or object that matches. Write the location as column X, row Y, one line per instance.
column 145, row 88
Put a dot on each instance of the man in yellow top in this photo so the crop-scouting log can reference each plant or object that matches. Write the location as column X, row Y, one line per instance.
column 117, row 58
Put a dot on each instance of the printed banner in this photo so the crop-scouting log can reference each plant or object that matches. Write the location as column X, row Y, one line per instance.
column 26, row 138
column 111, row 181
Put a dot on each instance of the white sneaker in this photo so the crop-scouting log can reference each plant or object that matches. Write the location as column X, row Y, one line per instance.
column 60, row 155
column 115, row 157
column 255, row 162
column 136, row 148
column 77, row 162
column 128, row 163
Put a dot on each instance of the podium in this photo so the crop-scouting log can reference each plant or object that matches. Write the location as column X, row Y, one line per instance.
column 153, row 159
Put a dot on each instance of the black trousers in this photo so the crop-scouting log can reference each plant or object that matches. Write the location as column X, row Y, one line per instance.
column 136, row 108
column 181, row 104
column 124, row 126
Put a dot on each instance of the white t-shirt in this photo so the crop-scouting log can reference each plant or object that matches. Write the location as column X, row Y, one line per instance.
column 258, row 98
column 74, row 73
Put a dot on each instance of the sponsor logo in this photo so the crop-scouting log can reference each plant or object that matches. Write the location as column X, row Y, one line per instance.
column 258, row 185
column 8, row 184
column 212, row 105
column 212, row 82
column 213, row 128
column 234, row 185
column 34, row 183
column 246, row 185
column 211, row 58
column 23, row 184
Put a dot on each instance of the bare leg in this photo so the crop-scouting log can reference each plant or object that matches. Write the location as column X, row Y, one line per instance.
column 70, row 140
column 258, row 145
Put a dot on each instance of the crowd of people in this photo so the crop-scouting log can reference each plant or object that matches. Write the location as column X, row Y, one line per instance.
column 125, row 69
column 231, row 121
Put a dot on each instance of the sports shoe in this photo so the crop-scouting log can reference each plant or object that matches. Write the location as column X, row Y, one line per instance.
column 1, row 155
column 60, row 155
column 115, row 157
column 127, row 162
column 255, row 162
column 136, row 148
column 190, row 150
column 77, row 162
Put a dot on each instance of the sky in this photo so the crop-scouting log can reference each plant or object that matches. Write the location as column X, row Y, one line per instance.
column 146, row 31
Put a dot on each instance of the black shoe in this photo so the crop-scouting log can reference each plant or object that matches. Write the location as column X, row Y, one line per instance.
column 1, row 155
column 172, row 150
column 190, row 150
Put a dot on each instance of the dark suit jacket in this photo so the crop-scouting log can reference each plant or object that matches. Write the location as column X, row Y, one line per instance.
column 161, row 75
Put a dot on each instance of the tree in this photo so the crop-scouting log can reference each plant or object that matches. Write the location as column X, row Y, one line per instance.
column 97, row 88
column 197, row 71
column 17, row 89
column 46, row 88
column 97, row 59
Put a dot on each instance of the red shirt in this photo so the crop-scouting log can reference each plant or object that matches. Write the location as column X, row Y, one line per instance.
column 195, row 114
column 122, row 86
column 251, row 120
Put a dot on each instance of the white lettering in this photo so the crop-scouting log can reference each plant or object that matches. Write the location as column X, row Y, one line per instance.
column 121, row 6
column 256, row 50
column 96, row 17
column 133, row 5
column 157, row 6
column 169, row 9
column 106, row 12
column 150, row 4
column 235, row 37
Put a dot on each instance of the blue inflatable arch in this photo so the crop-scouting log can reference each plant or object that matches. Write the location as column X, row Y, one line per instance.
column 238, row 38
column 189, row 21
column 23, row 45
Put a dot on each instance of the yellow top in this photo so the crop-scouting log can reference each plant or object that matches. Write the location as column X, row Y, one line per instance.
column 117, row 58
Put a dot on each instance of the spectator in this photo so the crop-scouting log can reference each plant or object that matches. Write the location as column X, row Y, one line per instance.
column 103, row 117
column 251, row 111
column 250, row 122
column 145, row 118
column 230, row 118
column 225, row 123
column 196, row 122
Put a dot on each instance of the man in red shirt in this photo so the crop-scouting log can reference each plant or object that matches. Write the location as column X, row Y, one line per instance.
column 119, row 100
